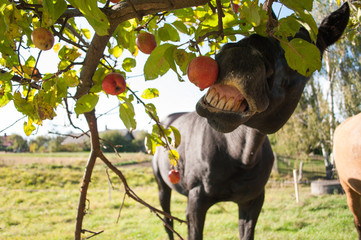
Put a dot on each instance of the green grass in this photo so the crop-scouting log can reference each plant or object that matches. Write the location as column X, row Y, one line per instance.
column 39, row 201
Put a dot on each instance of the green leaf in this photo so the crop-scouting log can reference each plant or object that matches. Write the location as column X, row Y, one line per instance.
column 150, row 93
column 44, row 105
column 151, row 110
column 127, row 114
column 5, row 89
column 70, row 78
column 169, row 56
column 126, row 36
column 308, row 22
column 288, row 27
column 96, row 18
column 298, row 6
column 177, row 136
column 252, row 12
column 168, row 33
column 150, row 144
column 52, row 10
column 98, row 77
column 86, row 103
column 180, row 26
column 68, row 54
column 302, row 56
column 5, row 77
column 157, row 64
column 30, row 62
column 128, row 64
column 211, row 21
column 182, row 59
column 25, row 106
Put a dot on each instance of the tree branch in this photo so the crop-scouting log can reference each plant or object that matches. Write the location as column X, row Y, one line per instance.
column 94, row 153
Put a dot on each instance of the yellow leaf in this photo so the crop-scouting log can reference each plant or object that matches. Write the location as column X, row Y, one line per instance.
column 86, row 33
column 57, row 47
column 117, row 51
column 173, row 156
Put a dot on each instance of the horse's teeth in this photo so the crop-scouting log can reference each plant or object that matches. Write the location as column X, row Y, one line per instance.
column 236, row 106
column 229, row 104
column 210, row 95
column 221, row 103
column 214, row 100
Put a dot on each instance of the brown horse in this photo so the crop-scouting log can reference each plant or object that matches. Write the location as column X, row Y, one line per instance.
column 347, row 153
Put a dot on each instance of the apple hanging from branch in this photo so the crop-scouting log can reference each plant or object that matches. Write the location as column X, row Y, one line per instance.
column 42, row 38
column 202, row 71
column 174, row 176
column 114, row 84
column 146, row 42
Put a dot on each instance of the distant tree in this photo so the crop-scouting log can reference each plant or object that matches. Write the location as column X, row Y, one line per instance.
column 19, row 144
column 332, row 95
column 55, row 144
column 138, row 141
column 39, row 144
column 122, row 141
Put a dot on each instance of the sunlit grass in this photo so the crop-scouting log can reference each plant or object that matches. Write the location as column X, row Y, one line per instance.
column 39, row 201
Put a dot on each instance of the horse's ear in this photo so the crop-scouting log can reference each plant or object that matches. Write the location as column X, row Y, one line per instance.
column 332, row 27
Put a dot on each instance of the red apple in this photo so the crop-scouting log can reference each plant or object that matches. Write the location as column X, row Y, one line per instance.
column 42, row 38
column 174, row 176
column 235, row 7
column 202, row 71
column 146, row 42
column 114, row 84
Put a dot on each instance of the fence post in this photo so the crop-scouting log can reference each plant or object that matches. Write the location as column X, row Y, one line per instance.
column 300, row 172
column 275, row 163
column 110, row 189
column 296, row 185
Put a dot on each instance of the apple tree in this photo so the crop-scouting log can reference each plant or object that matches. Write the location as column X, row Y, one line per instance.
column 180, row 28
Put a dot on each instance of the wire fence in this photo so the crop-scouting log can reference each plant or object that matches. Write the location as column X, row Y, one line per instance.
column 309, row 168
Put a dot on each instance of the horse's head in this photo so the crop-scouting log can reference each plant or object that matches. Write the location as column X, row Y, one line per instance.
column 255, row 86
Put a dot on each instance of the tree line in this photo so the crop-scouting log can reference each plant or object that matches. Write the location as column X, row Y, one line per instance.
column 113, row 140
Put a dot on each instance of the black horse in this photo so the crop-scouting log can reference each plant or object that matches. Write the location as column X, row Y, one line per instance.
column 224, row 153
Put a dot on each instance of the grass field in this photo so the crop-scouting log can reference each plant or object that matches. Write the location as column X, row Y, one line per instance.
column 39, row 197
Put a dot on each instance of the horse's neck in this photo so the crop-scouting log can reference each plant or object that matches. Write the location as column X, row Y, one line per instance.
column 244, row 143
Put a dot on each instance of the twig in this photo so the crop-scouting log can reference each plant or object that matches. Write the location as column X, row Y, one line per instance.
column 220, row 16
column 272, row 22
column 94, row 233
column 61, row 37
column 121, row 207
column 132, row 194
column 162, row 133
column 36, row 63
column 4, row 129
column 69, row 117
